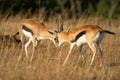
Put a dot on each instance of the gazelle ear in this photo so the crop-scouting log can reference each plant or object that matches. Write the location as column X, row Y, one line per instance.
column 56, row 31
column 50, row 32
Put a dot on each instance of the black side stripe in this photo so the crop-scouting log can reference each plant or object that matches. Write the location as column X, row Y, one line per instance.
column 78, row 36
column 27, row 29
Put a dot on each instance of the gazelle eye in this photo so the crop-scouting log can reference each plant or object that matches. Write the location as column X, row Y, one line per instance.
column 56, row 39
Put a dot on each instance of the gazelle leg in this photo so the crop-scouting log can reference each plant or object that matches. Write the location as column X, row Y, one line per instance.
column 93, row 48
column 34, row 41
column 80, row 49
column 81, row 54
column 100, row 50
column 99, row 46
column 71, row 46
column 22, row 39
column 99, row 43
column 26, row 45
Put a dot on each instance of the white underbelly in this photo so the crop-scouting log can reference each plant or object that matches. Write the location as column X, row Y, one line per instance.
column 99, row 36
column 27, row 34
column 81, row 40
column 40, row 38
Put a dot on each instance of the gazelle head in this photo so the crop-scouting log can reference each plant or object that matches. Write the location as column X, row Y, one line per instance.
column 60, row 35
column 53, row 37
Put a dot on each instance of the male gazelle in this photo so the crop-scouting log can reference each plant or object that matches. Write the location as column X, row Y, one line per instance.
column 35, row 31
column 90, row 34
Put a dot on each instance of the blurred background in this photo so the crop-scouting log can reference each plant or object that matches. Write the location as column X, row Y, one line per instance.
column 69, row 8
column 48, row 60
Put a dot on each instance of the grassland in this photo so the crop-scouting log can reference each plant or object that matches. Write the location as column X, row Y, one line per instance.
column 48, row 60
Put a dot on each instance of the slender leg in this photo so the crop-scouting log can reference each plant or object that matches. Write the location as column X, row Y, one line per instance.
column 22, row 39
column 93, row 48
column 100, row 48
column 34, row 41
column 26, row 45
column 71, row 46
column 100, row 51
column 81, row 54
column 80, row 49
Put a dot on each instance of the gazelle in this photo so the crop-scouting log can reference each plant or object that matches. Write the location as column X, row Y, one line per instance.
column 90, row 34
column 35, row 31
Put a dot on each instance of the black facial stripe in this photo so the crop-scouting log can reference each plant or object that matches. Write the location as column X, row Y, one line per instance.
column 27, row 29
column 78, row 36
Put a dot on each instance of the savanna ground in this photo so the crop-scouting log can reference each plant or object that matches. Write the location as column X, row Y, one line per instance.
column 48, row 60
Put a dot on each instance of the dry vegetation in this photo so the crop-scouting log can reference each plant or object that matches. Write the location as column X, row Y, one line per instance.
column 47, row 62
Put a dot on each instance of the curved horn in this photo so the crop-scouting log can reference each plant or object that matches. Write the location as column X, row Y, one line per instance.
column 61, row 25
column 68, row 30
column 57, row 24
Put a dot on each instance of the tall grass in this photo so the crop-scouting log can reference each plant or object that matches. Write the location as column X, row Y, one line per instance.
column 48, row 60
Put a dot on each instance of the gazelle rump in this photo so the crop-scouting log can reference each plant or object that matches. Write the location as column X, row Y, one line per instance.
column 90, row 34
column 34, row 31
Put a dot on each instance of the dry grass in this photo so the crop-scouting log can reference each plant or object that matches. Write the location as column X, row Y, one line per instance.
column 48, row 60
